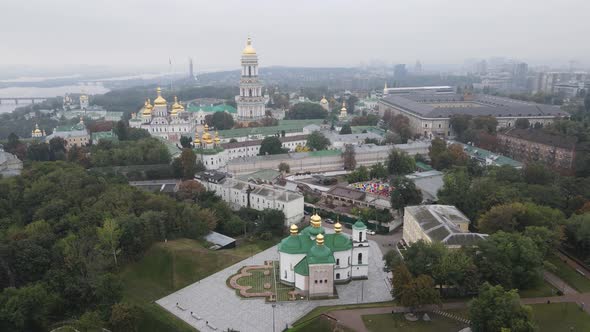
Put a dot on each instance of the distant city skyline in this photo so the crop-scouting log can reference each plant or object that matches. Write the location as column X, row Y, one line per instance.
column 292, row 33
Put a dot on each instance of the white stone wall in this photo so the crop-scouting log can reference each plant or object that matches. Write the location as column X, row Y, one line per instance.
column 287, row 265
column 301, row 282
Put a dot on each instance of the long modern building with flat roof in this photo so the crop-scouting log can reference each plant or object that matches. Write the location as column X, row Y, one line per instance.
column 430, row 113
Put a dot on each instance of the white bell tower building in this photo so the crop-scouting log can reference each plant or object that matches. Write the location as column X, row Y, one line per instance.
column 360, row 251
column 251, row 101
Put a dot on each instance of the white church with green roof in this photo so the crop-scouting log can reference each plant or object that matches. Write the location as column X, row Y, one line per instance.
column 313, row 261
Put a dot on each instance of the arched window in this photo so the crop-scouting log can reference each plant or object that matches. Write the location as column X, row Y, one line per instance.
column 360, row 258
column 360, row 236
column 285, row 274
column 337, row 275
column 338, row 261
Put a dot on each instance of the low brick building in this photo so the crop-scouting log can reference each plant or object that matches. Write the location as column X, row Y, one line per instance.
column 530, row 145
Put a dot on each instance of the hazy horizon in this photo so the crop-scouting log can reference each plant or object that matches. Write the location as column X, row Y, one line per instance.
column 291, row 33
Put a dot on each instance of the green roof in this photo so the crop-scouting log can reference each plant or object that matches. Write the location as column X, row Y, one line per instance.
column 302, row 243
column 359, row 224
column 212, row 109
column 320, row 254
column 77, row 126
column 302, row 268
column 369, row 129
column 423, row 166
column 324, row 153
column 289, row 126
column 210, row 151
column 106, row 135
column 498, row 159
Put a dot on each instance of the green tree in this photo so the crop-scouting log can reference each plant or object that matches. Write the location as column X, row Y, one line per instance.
column 185, row 141
column 460, row 123
column 122, row 130
column 358, row 175
column 538, row 173
column 413, row 292
column 125, row 317
column 317, row 141
column 284, row 167
column 423, row 258
column 346, row 129
column 188, row 164
column 400, row 163
column 378, row 171
column 495, row 309
column 220, row 120
column 404, row 193
column 515, row 217
column 28, row 308
column 509, row 259
column 272, row 221
column 271, row 145
column 456, row 270
column 456, row 191
column 522, row 123
column 349, row 157
column 301, row 111
column 109, row 235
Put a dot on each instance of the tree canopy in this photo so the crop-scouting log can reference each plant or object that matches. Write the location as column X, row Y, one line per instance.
column 317, row 141
column 301, row 111
column 271, row 145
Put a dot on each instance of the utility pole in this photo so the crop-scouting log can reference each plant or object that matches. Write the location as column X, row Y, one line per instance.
column 273, row 317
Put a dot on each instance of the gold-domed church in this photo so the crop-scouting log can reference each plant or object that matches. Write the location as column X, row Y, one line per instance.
column 314, row 262
column 169, row 122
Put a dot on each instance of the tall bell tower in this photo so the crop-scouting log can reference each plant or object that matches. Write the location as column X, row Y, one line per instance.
column 251, row 101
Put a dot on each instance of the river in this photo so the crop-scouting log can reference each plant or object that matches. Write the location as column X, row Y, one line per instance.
column 9, row 105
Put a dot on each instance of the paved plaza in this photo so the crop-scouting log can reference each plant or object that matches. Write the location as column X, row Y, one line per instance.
column 214, row 302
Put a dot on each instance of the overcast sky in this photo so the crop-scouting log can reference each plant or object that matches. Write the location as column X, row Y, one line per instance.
column 291, row 32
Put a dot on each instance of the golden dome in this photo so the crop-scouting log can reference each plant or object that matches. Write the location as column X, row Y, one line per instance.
column 206, row 136
column 319, row 240
column 249, row 50
column 324, row 100
column 37, row 131
column 147, row 108
column 316, row 220
column 294, row 229
column 159, row 101
column 217, row 137
column 177, row 106
column 338, row 227
column 343, row 109
column 197, row 140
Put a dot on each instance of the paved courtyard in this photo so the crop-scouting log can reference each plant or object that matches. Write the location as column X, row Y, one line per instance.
column 213, row 301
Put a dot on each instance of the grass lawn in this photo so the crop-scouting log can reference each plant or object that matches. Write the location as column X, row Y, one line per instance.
column 323, row 309
column 557, row 317
column 167, row 267
column 397, row 323
column 554, row 317
column 543, row 289
column 320, row 324
column 570, row 275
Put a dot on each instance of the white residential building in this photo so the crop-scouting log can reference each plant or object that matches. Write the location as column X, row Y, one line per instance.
column 239, row 193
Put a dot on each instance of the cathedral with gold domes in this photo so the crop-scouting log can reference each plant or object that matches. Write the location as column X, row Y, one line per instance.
column 160, row 119
column 314, row 261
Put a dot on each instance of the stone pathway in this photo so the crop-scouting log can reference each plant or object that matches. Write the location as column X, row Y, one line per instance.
column 212, row 301
column 558, row 283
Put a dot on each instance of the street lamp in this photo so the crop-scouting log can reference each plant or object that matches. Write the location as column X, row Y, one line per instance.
column 273, row 317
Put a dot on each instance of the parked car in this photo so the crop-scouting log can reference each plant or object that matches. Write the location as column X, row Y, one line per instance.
column 371, row 232
column 306, row 212
column 329, row 221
